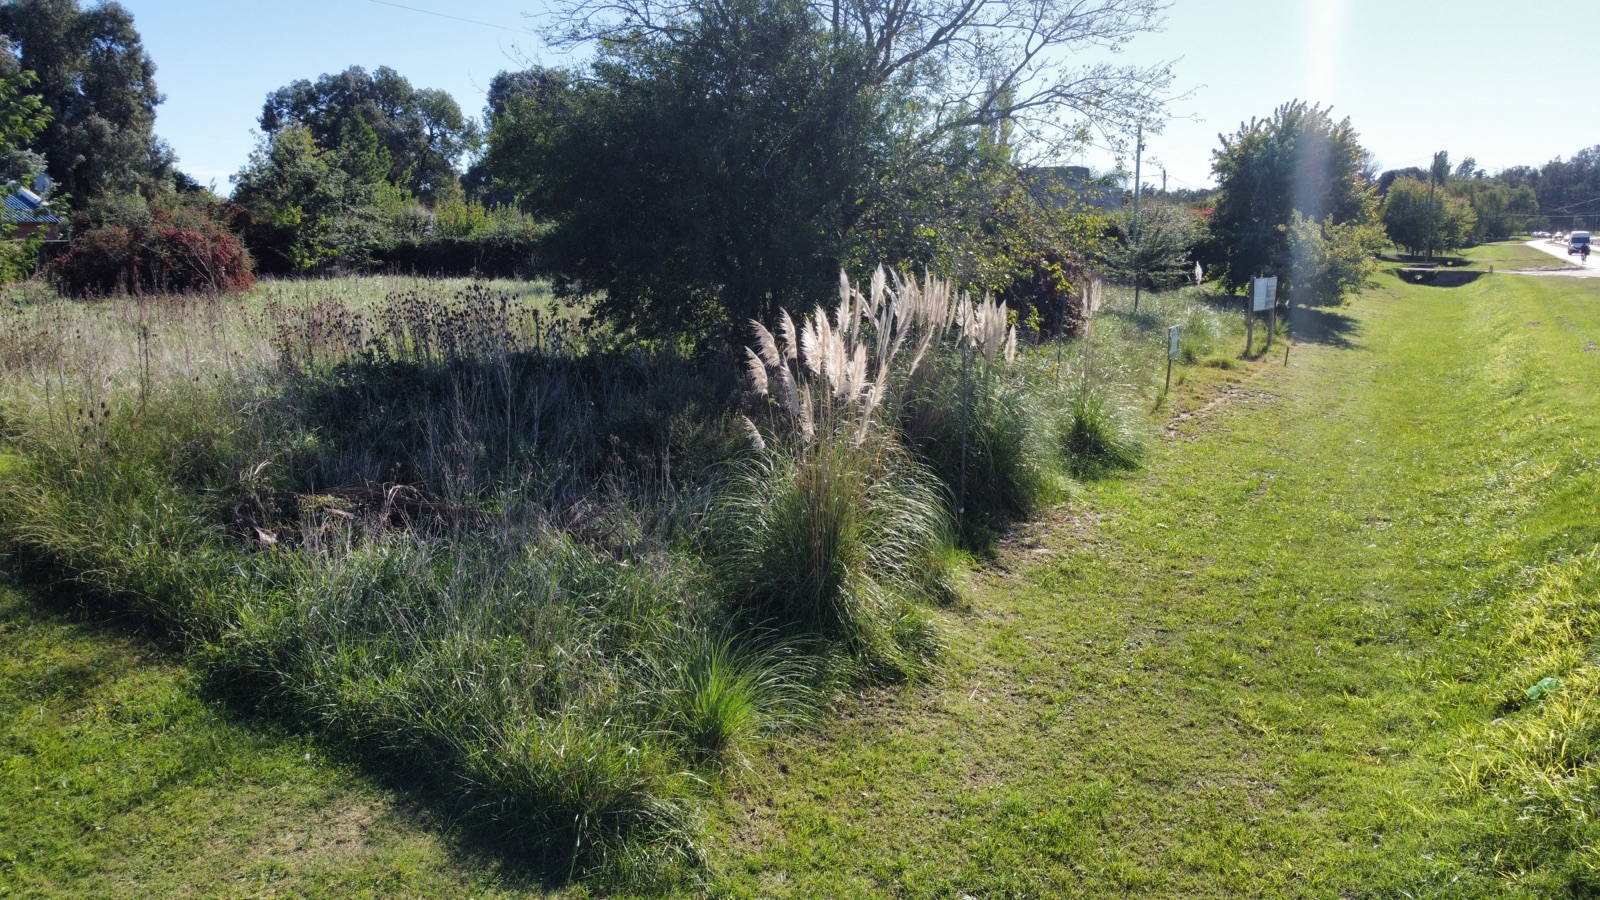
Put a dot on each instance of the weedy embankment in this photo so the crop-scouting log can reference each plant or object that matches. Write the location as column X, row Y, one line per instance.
column 564, row 582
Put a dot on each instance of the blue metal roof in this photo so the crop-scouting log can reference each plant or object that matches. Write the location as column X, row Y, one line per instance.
column 23, row 205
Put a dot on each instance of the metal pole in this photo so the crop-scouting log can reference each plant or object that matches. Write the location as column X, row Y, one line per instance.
column 1138, row 177
column 1250, row 319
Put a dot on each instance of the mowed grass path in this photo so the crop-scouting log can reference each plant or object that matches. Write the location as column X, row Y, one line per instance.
column 1253, row 670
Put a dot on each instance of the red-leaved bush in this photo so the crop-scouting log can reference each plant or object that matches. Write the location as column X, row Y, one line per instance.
column 183, row 253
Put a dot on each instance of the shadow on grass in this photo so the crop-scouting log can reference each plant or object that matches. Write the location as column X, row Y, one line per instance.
column 473, row 830
column 1324, row 325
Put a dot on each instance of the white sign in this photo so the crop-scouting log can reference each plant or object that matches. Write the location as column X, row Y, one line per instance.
column 1172, row 342
column 1266, row 294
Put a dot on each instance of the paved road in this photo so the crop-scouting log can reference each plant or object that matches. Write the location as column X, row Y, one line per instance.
column 1591, row 269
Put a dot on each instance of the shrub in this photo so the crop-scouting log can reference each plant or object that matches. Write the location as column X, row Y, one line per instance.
column 1332, row 261
column 174, row 251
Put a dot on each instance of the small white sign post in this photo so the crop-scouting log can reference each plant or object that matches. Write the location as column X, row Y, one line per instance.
column 1172, row 352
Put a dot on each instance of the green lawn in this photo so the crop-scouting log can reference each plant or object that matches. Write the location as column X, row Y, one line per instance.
column 1511, row 255
column 1254, row 670
column 1284, row 660
column 116, row 780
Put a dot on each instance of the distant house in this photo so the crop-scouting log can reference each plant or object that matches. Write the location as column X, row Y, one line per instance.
column 24, row 211
column 1072, row 186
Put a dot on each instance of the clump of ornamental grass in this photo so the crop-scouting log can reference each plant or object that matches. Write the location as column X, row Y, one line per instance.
column 987, row 436
column 837, row 542
column 844, row 536
column 1100, row 436
column 718, row 693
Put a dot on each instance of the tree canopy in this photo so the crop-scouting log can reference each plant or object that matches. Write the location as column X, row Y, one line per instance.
column 969, row 63
column 423, row 130
column 1300, row 162
column 98, row 84
column 700, row 181
column 1419, row 216
column 719, row 158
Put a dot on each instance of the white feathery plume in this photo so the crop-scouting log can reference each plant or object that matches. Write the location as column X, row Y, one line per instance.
column 811, row 344
column 789, row 392
column 755, row 434
column 854, row 375
column 807, row 419
column 757, row 371
column 769, row 347
column 1011, row 346
column 791, row 340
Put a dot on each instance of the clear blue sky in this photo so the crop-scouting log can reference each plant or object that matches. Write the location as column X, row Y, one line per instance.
column 1474, row 77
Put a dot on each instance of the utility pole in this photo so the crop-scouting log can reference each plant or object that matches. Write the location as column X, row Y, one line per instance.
column 1433, row 216
column 1163, row 180
column 1138, row 177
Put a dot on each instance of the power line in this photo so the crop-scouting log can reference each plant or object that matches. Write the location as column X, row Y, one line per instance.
column 429, row 12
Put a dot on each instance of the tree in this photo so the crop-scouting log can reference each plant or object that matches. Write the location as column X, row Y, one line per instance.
column 703, row 181
column 720, row 158
column 1162, row 257
column 99, row 86
column 423, row 131
column 305, row 212
column 1499, row 210
column 998, row 64
column 22, row 116
column 1417, row 216
column 534, row 86
column 1299, row 162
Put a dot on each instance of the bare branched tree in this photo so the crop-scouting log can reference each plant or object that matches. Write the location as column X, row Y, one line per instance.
column 1034, row 70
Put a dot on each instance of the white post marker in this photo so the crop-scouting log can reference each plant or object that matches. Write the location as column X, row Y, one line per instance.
column 1172, row 352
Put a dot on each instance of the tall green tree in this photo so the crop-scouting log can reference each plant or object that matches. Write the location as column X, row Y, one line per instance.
column 1419, row 216
column 22, row 116
column 1499, row 210
column 1301, row 161
column 423, row 130
column 722, row 158
column 1163, row 254
column 306, row 213
column 98, row 83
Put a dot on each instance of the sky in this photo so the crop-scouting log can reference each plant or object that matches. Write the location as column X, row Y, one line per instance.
column 1480, row 78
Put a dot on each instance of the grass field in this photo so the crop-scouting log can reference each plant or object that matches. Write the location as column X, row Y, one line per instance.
column 1287, row 659
column 118, row 779
column 1511, row 255
column 1268, row 667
